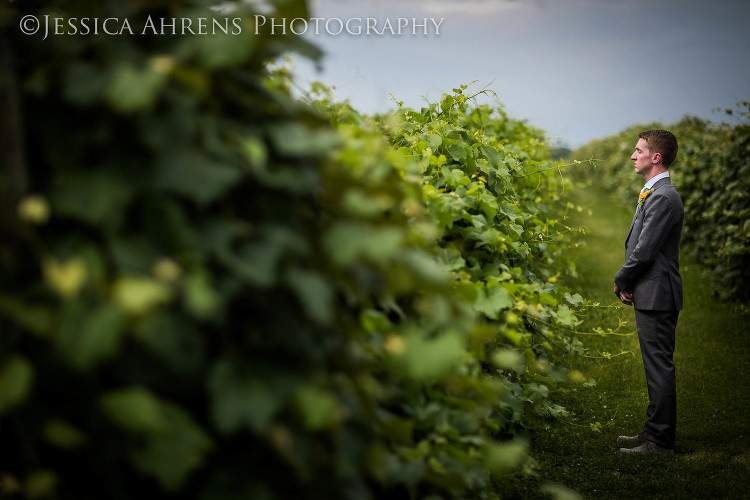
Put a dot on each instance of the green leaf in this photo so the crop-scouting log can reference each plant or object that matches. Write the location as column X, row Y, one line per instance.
column 37, row 319
column 240, row 399
column 135, row 409
column 517, row 229
column 467, row 290
column 64, row 435
column 16, row 379
column 256, row 153
column 547, row 299
column 318, row 408
column 95, row 196
column 220, row 49
column 492, row 300
column 454, row 178
column 446, row 102
column 559, row 492
column 501, row 458
column 169, row 227
column 375, row 321
column 171, row 445
column 507, row 359
column 425, row 359
column 86, row 337
column 444, row 207
column 134, row 252
column 41, row 483
column 314, row 292
column 426, row 267
column 537, row 392
column 132, row 89
column 457, row 150
column 139, row 295
column 557, row 411
column 171, row 454
column 84, row 83
column 348, row 241
column 281, row 176
column 488, row 203
column 258, row 261
column 590, row 382
column 451, row 258
column 434, row 141
column 511, row 211
column 201, row 298
column 193, row 174
column 298, row 140
column 399, row 430
column 408, row 472
column 566, row 317
column 574, row 300
column 174, row 339
column 492, row 155
column 487, row 236
column 363, row 205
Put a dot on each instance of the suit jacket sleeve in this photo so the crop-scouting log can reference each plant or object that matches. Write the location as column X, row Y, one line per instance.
column 657, row 223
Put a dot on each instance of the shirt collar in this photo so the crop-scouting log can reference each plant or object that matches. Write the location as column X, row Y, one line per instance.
column 655, row 178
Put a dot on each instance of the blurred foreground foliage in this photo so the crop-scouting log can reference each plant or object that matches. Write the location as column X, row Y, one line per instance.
column 211, row 289
column 712, row 175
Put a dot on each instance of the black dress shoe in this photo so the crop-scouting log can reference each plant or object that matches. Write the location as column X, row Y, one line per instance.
column 647, row 447
column 638, row 438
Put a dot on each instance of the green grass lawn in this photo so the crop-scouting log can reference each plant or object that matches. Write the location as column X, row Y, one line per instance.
column 712, row 454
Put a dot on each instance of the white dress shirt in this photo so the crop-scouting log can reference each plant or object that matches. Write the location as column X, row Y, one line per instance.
column 655, row 178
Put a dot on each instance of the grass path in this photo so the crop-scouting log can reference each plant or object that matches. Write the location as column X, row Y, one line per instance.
column 712, row 357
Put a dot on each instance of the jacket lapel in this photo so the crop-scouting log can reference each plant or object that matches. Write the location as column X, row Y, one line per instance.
column 631, row 230
column 659, row 183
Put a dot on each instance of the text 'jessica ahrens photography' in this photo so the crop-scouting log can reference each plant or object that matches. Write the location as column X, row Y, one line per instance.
column 175, row 26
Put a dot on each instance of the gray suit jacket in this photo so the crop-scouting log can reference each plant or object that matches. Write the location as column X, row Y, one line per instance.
column 652, row 259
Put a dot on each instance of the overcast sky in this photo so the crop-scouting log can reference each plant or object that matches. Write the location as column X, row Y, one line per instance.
column 579, row 69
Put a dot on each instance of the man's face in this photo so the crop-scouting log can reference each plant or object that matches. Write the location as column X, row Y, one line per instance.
column 642, row 158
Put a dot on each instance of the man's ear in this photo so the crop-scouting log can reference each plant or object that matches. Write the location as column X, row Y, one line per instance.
column 656, row 158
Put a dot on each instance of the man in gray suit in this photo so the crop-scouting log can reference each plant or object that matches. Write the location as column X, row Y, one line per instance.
column 650, row 281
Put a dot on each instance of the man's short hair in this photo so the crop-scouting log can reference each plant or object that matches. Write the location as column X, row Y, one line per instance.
column 663, row 142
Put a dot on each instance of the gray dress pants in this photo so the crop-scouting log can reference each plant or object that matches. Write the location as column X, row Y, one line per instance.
column 656, row 335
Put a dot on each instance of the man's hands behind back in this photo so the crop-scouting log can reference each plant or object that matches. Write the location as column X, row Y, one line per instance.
column 625, row 297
